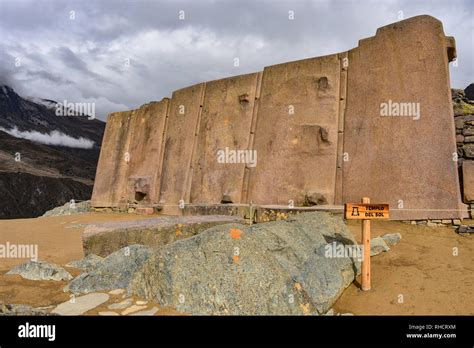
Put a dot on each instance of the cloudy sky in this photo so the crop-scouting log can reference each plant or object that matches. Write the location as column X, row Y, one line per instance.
column 120, row 54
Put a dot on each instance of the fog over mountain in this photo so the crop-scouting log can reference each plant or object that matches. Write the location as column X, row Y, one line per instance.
column 52, row 138
column 45, row 159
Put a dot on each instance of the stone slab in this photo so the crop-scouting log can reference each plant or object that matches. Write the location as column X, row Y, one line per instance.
column 80, row 305
column 105, row 238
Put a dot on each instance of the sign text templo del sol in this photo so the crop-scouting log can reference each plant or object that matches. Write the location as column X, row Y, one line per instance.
column 366, row 211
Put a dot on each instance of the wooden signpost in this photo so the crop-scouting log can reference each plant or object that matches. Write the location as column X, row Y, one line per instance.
column 365, row 211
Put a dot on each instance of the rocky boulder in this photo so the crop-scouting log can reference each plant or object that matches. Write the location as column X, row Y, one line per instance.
column 378, row 245
column 280, row 267
column 383, row 243
column 113, row 272
column 70, row 208
column 41, row 270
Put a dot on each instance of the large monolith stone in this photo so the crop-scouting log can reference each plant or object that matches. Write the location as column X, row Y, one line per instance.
column 281, row 267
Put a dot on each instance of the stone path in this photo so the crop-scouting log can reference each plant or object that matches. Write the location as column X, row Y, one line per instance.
column 82, row 304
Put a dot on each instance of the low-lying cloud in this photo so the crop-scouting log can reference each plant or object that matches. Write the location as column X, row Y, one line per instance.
column 53, row 138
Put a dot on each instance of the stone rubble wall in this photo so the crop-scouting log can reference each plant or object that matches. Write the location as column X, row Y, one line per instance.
column 464, row 120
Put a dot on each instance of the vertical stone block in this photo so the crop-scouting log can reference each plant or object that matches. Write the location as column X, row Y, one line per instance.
column 296, row 133
column 146, row 148
column 405, row 160
column 224, row 129
column 110, row 185
column 179, row 145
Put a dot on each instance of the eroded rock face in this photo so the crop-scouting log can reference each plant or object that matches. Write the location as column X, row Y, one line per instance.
column 26, row 195
column 270, row 268
column 41, row 270
column 114, row 272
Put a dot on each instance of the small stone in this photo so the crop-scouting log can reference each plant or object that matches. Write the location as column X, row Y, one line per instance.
column 392, row 238
column 456, row 222
column 117, row 292
column 378, row 245
column 347, row 314
column 468, row 181
column 108, row 313
column 133, row 308
column 468, row 149
column 466, row 229
column 121, row 305
column 141, row 303
column 41, row 270
column 436, row 221
column 330, row 312
column 151, row 311
column 144, row 211
column 413, row 222
column 82, row 304
column 431, row 224
column 446, row 221
column 468, row 130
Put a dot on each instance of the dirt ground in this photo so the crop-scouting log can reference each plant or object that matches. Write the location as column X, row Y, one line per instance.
column 431, row 270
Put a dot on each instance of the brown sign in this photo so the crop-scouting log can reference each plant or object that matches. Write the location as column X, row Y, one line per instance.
column 365, row 211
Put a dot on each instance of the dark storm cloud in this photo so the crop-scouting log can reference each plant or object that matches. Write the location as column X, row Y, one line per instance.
column 47, row 76
column 122, row 53
column 70, row 59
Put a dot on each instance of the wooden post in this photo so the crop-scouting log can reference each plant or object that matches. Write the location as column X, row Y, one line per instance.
column 251, row 213
column 366, row 245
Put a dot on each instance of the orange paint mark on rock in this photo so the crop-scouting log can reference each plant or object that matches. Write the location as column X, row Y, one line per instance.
column 236, row 259
column 235, row 233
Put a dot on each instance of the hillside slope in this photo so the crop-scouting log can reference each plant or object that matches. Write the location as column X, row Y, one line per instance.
column 41, row 166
